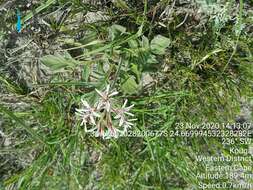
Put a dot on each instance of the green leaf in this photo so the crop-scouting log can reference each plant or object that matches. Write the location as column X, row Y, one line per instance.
column 121, row 4
column 58, row 62
column 135, row 70
column 214, row 52
column 159, row 44
column 133, row 44
column 116, row 30
column 130, row 86
column 86, row 72
column 151, row 59
column 145, row 42
column 37, row 10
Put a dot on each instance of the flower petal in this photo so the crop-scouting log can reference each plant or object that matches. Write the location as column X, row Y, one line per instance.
column 100, row 93
column 113, row 94
column 124, row 105
column 128, row 113
column 107, row 89
column 108, row 106
column 121, row 121
column 85, row 103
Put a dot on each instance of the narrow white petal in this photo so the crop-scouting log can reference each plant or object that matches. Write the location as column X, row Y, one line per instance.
column 129, row 107
column 125, row 103
column 85, row 103
column 92, row 120
column 85, row 128
column 100, row 93
column 80, row 110
column 79, row 113
column 128, row 113
column 130, row 124
column 113, row 93
column 121, row 121
column 107, row 106
column 100, row 105
column 117, row 116
column 91, row 130
column 83, row 123
column 107, row 89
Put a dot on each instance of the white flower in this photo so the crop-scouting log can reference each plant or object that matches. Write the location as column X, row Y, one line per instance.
column 106, row 98
column 104, row 119
column 87, row 113
column 127, row 125
column 121, row 113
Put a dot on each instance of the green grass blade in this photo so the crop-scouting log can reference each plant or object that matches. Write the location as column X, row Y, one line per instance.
column 37, row 10
column 34, row 135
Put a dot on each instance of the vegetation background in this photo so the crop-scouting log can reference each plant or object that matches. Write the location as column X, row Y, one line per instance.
column 178, row 61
